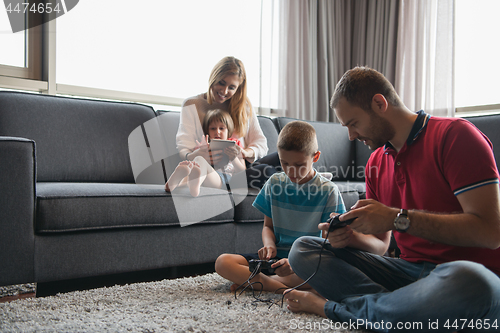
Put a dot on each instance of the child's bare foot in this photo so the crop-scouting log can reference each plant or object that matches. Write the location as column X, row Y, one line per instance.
column 194, row 180
column 181, row 171
column 305, row 301
column 242, row 286
column 234, row 287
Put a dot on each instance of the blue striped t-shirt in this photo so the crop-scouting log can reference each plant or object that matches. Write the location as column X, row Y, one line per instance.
column 296, row 210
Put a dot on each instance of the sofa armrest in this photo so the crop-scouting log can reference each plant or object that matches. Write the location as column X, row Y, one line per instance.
column 17, row 210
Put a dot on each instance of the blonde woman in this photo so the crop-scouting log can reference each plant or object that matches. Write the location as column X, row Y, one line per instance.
column 227, row 91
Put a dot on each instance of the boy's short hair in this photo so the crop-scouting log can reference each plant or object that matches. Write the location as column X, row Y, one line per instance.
column 298, row 136
column 220, row 115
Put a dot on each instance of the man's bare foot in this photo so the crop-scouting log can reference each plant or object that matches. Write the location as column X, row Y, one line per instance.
column 305, row 301
column 194, row 180
column 181, row 171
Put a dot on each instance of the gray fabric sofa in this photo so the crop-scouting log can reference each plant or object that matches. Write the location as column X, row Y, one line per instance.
column 81, row 190
column 71, row 206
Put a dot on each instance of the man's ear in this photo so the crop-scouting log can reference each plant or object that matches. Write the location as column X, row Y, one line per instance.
column 316, row 156
column 379, row 103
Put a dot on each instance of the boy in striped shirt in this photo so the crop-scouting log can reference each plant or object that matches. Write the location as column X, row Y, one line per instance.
column 294, row 202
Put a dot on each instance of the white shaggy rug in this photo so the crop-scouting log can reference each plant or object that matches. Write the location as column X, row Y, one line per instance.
column 195, row 304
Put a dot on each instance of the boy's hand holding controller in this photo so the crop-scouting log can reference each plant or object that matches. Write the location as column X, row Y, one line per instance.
column 340, row 232
column 267, row 252
column 282, row 267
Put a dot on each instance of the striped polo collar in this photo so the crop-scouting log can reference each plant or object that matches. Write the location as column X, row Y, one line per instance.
column 418, row 126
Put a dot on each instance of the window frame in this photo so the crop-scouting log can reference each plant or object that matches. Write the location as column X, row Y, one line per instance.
column 33, row 55
column 477, row 110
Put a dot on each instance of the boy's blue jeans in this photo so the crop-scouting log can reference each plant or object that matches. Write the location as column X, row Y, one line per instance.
column 388, row 294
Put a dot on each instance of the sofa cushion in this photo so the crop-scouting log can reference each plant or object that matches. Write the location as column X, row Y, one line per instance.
column 64, row 207
column 244, row 211
column 362, row 155
column 75, row 139
column 351, row 192
column 269, row 129
column 337, row 152
column 169, row 124
column 489, row 125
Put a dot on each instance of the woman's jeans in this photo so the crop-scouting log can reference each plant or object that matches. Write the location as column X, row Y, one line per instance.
column 388, row 294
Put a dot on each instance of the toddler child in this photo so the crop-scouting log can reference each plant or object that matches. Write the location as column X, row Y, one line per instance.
column 217, row 124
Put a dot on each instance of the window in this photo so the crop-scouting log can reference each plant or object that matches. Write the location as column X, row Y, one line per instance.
column 156, row 47
column 157, row 52
column 21, row 51
column 15, row 43
column 476, row 52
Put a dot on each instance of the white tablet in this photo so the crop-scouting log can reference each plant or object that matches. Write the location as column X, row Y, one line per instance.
column 217, row 144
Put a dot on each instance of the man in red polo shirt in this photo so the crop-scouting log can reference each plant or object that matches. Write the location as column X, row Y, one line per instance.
column 431, row 181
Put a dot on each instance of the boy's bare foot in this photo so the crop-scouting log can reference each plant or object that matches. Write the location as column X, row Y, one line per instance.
column 305, row 301
column 257, row 286
column 194, row 180
column 181, row 171
column 233, row 287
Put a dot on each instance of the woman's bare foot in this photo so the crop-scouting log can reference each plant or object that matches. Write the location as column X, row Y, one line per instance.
column 305, row 301
column 181, row 171
column 195, row 180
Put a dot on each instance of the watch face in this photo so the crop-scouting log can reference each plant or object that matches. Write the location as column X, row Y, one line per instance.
column 402, row 223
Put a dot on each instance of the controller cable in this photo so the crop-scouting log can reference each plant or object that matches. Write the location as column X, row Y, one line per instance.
column 335, row 223
column 248, row 284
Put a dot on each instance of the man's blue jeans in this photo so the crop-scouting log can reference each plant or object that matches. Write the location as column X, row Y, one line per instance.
column 389, row 294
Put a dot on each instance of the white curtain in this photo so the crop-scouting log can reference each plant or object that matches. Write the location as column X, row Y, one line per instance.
column 409, row 41
column 298, row 93
column 321, row 39
column 424, row 63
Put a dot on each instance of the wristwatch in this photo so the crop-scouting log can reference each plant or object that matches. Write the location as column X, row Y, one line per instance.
column 402, row 222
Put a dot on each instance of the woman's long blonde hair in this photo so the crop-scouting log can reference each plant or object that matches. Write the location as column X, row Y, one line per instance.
column 239, row 102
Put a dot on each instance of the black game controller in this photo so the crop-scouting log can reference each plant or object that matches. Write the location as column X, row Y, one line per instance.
column 335, row 222
column 264, row 264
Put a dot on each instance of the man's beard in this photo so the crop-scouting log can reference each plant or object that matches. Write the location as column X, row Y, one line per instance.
column 381, row 131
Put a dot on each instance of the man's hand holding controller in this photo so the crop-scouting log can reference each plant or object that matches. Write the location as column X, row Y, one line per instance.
column 335, row 223
column 338, row 235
